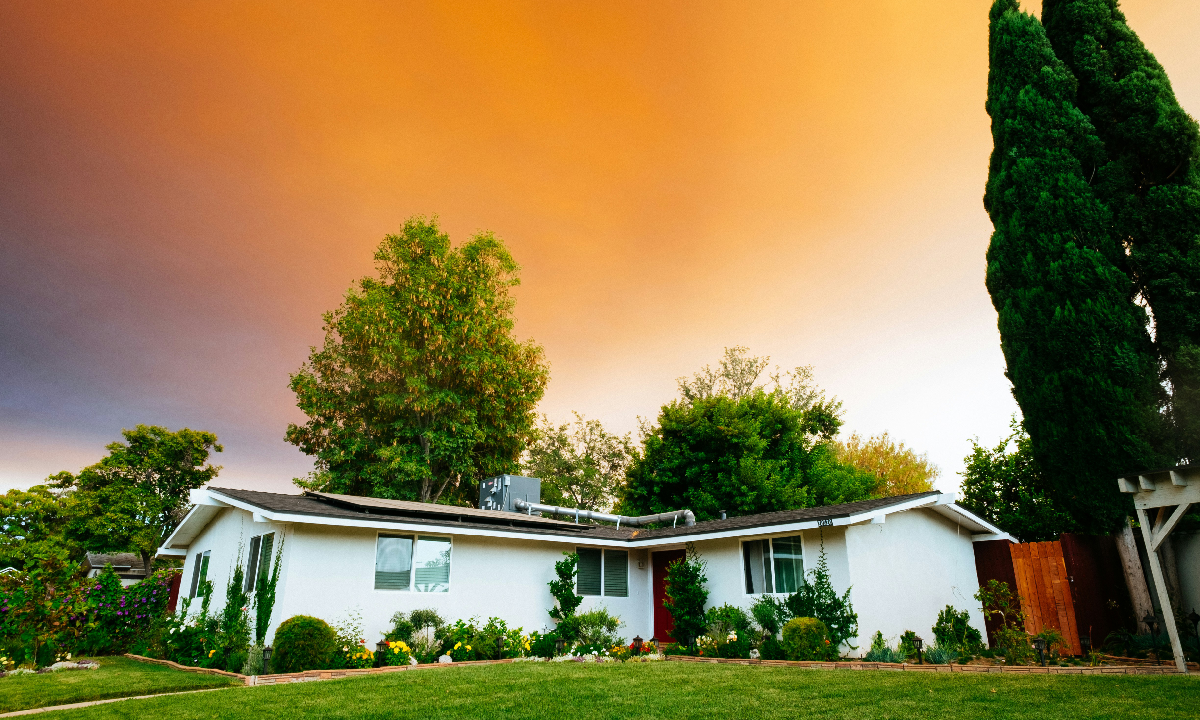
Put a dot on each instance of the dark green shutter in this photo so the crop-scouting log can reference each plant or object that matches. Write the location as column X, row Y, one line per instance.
column 204, row 568
column 588, row 579
column 264, row 557
column 616, row 573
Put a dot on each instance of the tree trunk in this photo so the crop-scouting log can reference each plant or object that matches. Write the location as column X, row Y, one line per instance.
column 1135, row 578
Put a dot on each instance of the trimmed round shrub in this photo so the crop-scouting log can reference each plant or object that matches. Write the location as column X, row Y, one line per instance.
column 303, row 643
column 807, row 639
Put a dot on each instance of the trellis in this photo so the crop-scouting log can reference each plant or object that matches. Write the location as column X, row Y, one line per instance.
column 1177, row 487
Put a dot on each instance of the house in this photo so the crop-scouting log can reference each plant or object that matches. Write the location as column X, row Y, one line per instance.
column 903, row 558
column 129, row 567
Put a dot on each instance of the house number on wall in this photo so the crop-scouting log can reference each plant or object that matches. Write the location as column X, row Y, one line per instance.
column 825, row 523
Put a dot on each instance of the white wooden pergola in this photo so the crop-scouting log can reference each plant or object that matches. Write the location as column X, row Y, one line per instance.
column 1179, row 488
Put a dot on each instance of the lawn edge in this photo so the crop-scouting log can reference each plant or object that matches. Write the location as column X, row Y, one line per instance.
column 908, row 667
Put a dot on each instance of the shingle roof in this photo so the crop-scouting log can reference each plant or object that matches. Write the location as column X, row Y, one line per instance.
column 374, row 509
column 127, row 563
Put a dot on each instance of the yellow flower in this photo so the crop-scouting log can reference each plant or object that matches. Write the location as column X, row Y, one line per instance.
column 210, row 652
column 457, row 645
column 468, row 647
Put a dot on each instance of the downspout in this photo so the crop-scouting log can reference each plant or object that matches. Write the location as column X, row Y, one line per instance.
column 689, row 518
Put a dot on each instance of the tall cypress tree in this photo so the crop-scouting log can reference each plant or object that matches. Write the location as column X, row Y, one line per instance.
column 1151, row 182
column 1078, row 353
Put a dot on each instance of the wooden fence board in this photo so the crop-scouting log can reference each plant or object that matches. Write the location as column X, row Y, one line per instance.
column 1045, row 590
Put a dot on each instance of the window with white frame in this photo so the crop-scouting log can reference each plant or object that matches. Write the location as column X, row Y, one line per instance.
column 773, row 565
column 419, row 563
column 602, row 572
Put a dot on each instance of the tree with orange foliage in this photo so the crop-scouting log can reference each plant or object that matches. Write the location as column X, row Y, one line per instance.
column 900, row 469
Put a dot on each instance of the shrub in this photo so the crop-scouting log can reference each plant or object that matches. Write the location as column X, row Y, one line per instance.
column 566, row 601
column 419, row 631
column 543, row 644
column 398, row 653
column 817, row 599
column 686, row 596
column 953, row 631
column 806, row 638
column 770, row 613
column 303, row 643
column 939, row 654
column 771, row 649
column 598, row 627
column 881, row 652
column 465, row 640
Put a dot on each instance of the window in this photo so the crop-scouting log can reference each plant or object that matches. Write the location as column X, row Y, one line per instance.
column 258, row 564
column 199, row 572
column 602, row 572
column 433, row 564
column 402, row 559
column 773, row 566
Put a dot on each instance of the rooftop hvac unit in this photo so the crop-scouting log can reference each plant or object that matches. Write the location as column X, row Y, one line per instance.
column 499, row 493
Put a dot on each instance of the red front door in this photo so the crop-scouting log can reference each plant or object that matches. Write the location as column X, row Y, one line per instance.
column 663, row 622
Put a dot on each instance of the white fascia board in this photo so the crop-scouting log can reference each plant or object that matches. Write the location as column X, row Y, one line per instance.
column 185, row 526
column 984, row 530
column 165, row 551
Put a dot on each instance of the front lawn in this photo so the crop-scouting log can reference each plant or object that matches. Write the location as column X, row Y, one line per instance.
column 664, row 690
column 116, row 677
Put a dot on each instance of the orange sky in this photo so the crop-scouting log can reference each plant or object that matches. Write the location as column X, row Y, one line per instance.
column 188, row 186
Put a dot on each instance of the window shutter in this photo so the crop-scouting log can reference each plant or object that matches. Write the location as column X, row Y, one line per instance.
column 196, row 575
column 588, row 579
column 264, row 557
column 616, row 573
column 204, row 567
column 252, row 562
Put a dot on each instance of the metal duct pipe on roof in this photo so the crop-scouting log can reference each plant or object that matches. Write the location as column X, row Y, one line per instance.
column 689, row 518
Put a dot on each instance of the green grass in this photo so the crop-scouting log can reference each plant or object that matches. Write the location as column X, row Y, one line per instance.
column 683, row 690
column 117, row 677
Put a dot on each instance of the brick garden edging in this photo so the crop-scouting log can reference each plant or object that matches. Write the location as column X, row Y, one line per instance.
column 311, row 675
column 317, row 675
column 906, row 667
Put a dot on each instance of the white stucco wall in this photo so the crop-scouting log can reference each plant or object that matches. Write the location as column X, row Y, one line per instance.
column 906, row 570
column 901, row 573
column 328, row 571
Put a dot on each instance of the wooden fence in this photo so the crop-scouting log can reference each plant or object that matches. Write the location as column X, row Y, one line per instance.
column 1045, row 590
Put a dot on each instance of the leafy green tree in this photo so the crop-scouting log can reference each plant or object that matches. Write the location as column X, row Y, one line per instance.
column 736, row 444
column 1150, row 180
column 1077, row 349
column 1005, row 486
column 580, row 464
column 29, row 519
column 562, row 588
column 420, row 389
column 137, row 495
column 744, row 456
